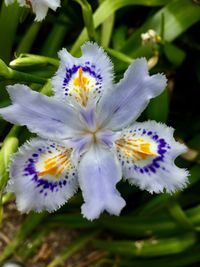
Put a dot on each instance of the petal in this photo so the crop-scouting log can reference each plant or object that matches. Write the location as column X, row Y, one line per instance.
column 42, row 176
column 99, row 171
column 43, row 115
column 40, row 8
column 107, row 137
column 122, row 104
column 80, row 80
column 147, row 152
column 80, row 145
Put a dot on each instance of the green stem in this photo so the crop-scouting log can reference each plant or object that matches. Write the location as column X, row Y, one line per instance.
column 7, row 73
column 120, row 56
column 88, row 18
column 149, row 248
column 28, row 38
column 179, row 215
column 26, row 60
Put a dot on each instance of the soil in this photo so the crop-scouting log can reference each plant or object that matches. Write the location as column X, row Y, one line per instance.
column 51, row 245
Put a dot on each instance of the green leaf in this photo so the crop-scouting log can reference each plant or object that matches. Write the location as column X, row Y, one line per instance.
column 174, row 54
column 28, row 38
column 106, row 9
column 178, row 15
column 153, row 247
column 119, row 37
column 158, row 107
column 194, row 142
column 9, row 19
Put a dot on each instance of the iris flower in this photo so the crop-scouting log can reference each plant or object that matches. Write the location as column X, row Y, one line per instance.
column 88, row 137
column 39, row 7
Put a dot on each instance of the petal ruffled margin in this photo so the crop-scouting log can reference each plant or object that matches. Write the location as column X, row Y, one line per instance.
column 42, row 176
column 43, row 115
column 80, row 80
column 98, row 172
column 147, row 152
column 121, row 105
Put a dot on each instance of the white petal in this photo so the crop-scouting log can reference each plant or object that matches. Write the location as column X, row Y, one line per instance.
column 43, row 115
column 42, row 176
column 81, row 80
column 99, row 171
column 147, row 152
column 40, row 10
column 122, row 104
column 40, row 7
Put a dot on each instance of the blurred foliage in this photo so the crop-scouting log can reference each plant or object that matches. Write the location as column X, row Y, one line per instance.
column 152, row 230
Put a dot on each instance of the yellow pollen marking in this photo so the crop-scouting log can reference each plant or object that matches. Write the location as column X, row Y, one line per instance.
column 136, row 148
column 81, row 81
column 55, row 165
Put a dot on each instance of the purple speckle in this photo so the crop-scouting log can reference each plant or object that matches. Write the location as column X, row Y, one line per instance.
column 155, row 137
column 152, row 169
column 91, row 70
column 156, row 165
column 161, row 150
column 46, row 185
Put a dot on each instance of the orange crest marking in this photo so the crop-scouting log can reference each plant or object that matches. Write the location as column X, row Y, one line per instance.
column 55, row 165
column 138, row 149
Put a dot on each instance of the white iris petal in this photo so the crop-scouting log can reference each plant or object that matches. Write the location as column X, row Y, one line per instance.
column 39, row 7
column 89, row 141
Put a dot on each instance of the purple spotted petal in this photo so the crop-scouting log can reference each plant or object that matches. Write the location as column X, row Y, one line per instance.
column 42, row 176
column 147, row 152
column 82, row 80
